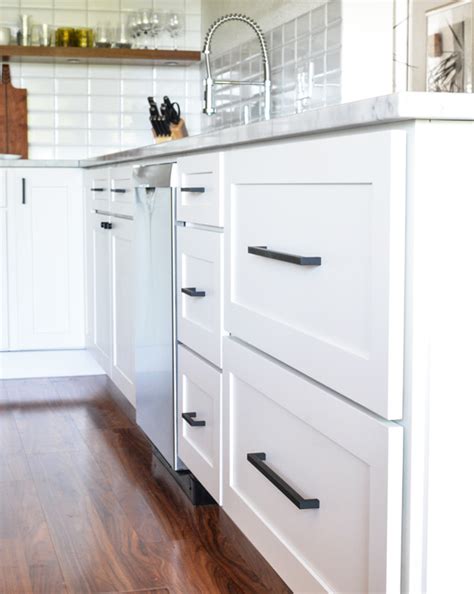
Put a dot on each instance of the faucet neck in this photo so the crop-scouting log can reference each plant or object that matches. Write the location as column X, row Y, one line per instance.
column 243, row 19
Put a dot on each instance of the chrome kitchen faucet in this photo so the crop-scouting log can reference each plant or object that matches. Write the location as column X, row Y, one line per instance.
column 210, row 82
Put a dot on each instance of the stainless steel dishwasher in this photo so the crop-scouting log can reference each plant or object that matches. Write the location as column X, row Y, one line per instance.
column 155, row 299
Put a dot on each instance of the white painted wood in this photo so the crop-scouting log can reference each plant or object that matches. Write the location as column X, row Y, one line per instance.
column 97, row 185
column 4, row 341
column 324, row 448
column 200, row 266
column 45, row 259
column 204, row 171
column 99, row 281
column 439, row 485
column 3, row 188
column 199, row 391
column 121, row 179
column 122, row 306
column 343, row 199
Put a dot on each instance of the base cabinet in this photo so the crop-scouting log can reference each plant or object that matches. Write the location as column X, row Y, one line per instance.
column 45, row 259
column 122, row 306
column 313, row 482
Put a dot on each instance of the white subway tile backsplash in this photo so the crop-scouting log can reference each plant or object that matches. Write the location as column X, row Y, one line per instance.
column 72, row 103
column 71, row 137
column 303, row 52
column 109, row 137
column 40, row 119
column 38, row 86
column 70, row 18
column 41, row 103
column 140, row 88
column 71, row 86
column 104, row 104
column 72, row 120
column 71, row 70
column 105, row 120
column 104, row 86
column 39, row 136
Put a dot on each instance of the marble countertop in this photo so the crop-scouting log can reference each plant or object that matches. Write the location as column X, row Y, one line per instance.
column 398, row 107
column 378, row 110
column 39, row 163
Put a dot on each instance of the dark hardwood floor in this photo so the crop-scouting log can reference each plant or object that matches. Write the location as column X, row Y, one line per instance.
column 83, row 509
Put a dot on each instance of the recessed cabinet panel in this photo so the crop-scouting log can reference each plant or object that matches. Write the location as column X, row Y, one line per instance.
column 315, row 260
column 3, row 281
column 121, row 190
column 122, row 279
column 45, row 251
column 200, row 195
column 199, row 436
column 315, row 483
column 99, row 278
column 200, row 292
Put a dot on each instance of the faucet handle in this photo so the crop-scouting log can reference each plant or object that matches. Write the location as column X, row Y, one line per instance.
column 209, row 107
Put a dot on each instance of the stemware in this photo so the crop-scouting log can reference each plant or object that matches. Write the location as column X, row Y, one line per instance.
column 175, row 26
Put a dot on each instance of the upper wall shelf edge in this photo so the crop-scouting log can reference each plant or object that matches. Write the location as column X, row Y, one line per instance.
column 98, row 55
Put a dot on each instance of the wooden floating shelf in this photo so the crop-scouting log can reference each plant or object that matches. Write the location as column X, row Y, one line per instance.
column 98, row 55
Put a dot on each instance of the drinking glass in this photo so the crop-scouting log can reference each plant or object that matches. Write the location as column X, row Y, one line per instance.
column 175, row 26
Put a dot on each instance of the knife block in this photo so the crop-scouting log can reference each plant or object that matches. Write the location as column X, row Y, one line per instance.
column 177, row 131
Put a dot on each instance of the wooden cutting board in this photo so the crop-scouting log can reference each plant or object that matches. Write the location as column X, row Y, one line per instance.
column 13, row 117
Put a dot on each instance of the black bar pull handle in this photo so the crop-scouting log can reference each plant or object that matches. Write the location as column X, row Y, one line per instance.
column 119, row 190
column 264, row 252
column 105, row 225
column 258, row 460
column 192, row 292
column 97, row 189
column 190, row 419
column 23, row 190
column 194, row 190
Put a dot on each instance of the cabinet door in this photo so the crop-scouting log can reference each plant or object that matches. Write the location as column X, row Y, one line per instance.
column 99, row 289
column 45, row 259
column 122, row 305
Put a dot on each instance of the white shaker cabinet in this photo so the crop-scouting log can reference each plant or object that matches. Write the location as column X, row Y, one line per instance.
column 110, row 273
column 3, row 263
column 45, row 258
column 98, row 281
column 122, row 284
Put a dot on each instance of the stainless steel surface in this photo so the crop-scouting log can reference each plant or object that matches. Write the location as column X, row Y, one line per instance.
column 155, row 338
column 210, row 82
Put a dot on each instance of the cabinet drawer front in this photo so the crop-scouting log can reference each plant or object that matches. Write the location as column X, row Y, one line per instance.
column 121, row 190
column 200, row 292
column 98, row 189
column 322, row 448
column 199, row 190
column 315, row 260
column 199, row 399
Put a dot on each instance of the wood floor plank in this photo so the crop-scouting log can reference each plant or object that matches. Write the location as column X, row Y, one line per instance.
column 115, row 519
column 28, row 561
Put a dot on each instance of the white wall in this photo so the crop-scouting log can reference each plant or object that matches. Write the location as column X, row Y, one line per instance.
column 76, row 110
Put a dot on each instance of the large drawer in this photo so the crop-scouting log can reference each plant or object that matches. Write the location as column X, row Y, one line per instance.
column 339, row 320
column 200, row 291
column 318, row 447
column 199, row 430
column 200, row 189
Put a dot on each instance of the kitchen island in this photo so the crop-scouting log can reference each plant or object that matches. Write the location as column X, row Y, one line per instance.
column 333, row 344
